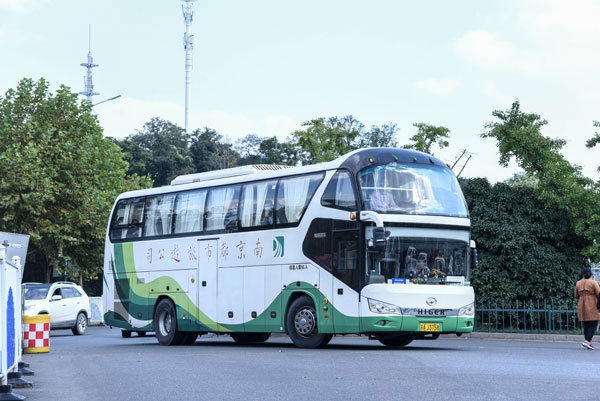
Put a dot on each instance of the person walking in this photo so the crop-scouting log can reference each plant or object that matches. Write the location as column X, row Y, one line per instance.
column 586, row 292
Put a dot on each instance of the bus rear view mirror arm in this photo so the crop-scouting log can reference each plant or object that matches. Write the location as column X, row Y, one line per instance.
column 367, row 215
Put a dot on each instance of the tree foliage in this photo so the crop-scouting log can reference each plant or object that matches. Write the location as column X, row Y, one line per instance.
column 261, row 150
column 210, row 151
column 160, row 149
column 324, row 139
column 526, row 251
column 560, row 184
column 59, row 176
column 428, row 135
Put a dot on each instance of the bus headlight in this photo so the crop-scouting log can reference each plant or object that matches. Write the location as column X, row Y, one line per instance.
column 382, row 307
column 468, row 310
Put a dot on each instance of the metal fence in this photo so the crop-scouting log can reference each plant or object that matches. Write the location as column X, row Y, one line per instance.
column 527, row 317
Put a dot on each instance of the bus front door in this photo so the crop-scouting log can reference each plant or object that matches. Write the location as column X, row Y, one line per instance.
column 346, row 270
column 207, row 283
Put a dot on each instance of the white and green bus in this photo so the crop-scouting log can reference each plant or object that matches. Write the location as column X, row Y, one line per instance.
column 376, row 242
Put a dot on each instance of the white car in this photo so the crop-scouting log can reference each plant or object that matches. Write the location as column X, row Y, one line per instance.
column 67, row 304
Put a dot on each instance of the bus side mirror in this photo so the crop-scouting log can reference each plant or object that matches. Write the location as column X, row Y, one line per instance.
column 473, row 258
column 379, row 236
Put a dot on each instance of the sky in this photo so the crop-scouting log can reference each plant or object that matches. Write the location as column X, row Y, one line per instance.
column 264, row 67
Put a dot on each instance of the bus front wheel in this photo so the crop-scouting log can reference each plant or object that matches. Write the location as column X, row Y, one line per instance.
column 301, row 323
column 165, row 324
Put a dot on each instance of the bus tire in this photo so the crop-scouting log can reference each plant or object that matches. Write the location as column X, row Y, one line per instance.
column 395, row 341
column 126, row 333
column 165, row 324
column 301, row 324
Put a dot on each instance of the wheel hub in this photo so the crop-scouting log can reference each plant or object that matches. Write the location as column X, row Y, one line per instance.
column 164, row 324
column 305, row 321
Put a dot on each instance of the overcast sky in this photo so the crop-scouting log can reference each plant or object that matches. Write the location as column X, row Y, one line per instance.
column 266, row 66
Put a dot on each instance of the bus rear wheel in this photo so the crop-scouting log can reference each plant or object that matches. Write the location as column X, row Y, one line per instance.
column 301, row 324
column 395, row 341
column 165, row 324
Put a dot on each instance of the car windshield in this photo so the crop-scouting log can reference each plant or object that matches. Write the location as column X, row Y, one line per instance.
column 411, row 189
column 418, row 260
column 36, row 291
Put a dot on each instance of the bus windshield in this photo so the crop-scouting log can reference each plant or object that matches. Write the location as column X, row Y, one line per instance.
column 417, row 260
column 411, row 189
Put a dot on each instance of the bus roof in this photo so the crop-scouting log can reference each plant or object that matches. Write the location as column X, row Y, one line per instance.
column 354, row 161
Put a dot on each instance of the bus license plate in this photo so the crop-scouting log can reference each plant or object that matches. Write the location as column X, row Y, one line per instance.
column 429, row 327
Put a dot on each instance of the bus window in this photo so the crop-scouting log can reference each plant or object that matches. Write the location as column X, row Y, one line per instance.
column 189, row 211
column 256, row 207
column 293, row 195
column 222, row 208
column 158, row 215
column 339, row 192
column 127, row 219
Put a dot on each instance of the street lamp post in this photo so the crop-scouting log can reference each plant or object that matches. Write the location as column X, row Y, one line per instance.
column 106, row 100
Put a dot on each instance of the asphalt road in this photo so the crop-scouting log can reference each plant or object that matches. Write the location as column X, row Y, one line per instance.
column 101, row 365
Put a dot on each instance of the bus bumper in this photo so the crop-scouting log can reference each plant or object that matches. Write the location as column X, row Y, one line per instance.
column 448, row 324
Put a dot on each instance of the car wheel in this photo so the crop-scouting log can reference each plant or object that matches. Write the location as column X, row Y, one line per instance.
column 80, row 324
column 126, row 333
column 165, row 324
column 301, row 324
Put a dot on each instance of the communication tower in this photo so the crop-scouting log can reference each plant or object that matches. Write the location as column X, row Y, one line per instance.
column 188, row 45
column 87, row 80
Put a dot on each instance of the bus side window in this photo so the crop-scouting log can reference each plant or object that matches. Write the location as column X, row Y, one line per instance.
column 340, row 192
column 222, row 208
column 293, row 195
column 126, row 219
column 256, row 207
column 189, row 211
column 158, row 214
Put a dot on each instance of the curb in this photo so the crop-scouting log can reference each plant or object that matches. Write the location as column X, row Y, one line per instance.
column 526, row 336
column 484, row 335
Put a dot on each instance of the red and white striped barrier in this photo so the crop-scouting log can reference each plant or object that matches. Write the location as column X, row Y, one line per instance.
column 36, row 334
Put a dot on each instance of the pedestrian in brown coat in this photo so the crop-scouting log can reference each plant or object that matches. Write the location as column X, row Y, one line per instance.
column 586, row 292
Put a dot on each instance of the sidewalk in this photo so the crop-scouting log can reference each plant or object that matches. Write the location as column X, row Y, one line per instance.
column 525, row 336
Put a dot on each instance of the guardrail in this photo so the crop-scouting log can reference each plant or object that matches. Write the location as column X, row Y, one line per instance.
column 527, row 317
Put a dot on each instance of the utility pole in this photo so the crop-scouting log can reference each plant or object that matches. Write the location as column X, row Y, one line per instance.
column 87, row 81
column 188, row 45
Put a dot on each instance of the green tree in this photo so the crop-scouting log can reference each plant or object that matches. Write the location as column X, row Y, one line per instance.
column 428, row 135
column 210, row 151
column 261, row 150
column 526, row 251
column 560, row 183
column 160, row 149
column 595, row 140
column 379, row 137
column 324, row 139
column 522, row 180
column 59, row 177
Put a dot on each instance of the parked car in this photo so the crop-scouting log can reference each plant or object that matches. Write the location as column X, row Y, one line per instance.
column 67, row 304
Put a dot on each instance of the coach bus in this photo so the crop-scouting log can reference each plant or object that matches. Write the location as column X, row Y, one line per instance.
column 376, row 242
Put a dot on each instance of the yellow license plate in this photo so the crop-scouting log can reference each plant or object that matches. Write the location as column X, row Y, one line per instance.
column 429, row 327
